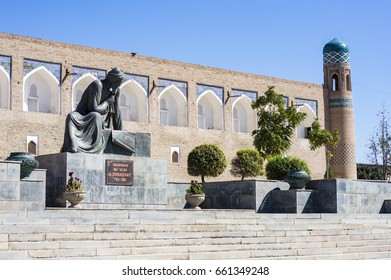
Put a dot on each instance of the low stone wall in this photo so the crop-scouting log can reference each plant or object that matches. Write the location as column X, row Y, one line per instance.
column 149, row 187
column 246, row 194
column 320, row 196
column 350, row 196
column 17, row 194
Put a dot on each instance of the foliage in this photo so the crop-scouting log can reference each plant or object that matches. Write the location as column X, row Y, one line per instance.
column 380, row 144
column 206, row 160
column 195, row 188
column 276, row 124
column 329, row 174
column 279, row 166
column 74, row 184
column 319, row 137
column 369, row 172
column 247, row 163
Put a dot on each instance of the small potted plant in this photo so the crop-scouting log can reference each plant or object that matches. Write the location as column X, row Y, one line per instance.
column 195, row 194
column 74, row 192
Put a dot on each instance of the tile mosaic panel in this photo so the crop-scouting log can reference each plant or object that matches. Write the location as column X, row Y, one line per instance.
column 235, row 93
column 312, row 103
column 219, row 91
column 5, row 62
column 80, row 71
column 163, row 83
column 335, row 57
column 54, row 68
column 142, row 80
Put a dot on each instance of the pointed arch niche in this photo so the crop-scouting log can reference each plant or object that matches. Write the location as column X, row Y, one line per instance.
column 4, row 89
column 41, row 91
column 210, row 111
column 79, row 86
column 243, row 115
column 173, row 107
column 304, row 127
column 133, row 102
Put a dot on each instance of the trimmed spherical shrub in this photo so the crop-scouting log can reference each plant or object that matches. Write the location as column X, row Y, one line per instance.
column 279, row 166
column 206, row 160
column 247, row 163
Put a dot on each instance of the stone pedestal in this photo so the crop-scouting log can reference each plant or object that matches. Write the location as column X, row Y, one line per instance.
column 21, row 194
column 291, row 201
column 148, row 189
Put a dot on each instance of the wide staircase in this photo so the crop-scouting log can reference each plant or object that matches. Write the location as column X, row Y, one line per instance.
column 191, row 235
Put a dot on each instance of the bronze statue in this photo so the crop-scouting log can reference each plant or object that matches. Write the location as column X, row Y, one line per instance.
column 97, row 110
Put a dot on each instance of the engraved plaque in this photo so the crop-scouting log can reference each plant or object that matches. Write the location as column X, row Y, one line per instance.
column 119, row 172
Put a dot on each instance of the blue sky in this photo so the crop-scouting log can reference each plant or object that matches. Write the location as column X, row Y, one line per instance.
column 276, row 38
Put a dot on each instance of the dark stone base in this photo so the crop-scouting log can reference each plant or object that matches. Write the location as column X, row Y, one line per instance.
column 126, row 143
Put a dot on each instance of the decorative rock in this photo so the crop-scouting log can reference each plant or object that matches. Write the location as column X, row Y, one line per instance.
column 297, row 179
column 28, row 162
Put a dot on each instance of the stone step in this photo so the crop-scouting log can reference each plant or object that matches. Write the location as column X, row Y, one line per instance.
column 191, row 234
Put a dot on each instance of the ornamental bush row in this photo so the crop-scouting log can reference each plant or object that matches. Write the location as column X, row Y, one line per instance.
column 208, row 160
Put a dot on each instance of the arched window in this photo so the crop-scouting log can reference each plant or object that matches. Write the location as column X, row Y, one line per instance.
column 236, row 120
column 32, row 147
column 4, row 89
column 173, row 107
column 348, row 84
column 335, row 82
column 134, row 102
column 32, row 142
column 201, row 117
column 163, row 104
column 164, row 118
column 41, row 91
column 123, row 107
column 200, row 111
column 210, row 111
column 175, row 157
column 33, row 99
column 33, row 91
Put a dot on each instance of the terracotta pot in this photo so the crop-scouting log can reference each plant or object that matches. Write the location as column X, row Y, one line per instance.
column 195, row 200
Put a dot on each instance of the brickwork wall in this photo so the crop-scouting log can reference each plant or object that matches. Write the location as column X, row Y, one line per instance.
column 16, row 124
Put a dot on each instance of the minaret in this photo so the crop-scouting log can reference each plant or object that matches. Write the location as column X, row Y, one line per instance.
column 338, row 96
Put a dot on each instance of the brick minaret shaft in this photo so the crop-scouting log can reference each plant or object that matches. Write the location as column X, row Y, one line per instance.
column 339, row 99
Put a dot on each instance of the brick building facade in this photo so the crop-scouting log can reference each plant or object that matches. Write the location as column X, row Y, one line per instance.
column 181, row 105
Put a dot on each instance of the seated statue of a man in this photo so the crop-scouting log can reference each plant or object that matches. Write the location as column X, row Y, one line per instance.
column 97, row 110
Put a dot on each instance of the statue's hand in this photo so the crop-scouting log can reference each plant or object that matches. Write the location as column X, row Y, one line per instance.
column 111, row 99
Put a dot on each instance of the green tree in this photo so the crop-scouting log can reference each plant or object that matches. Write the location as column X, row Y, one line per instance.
column 206, row 160
column 247, row 163
column 380, row 144
column 369, row 172
column 319, row 137
column 276, row 124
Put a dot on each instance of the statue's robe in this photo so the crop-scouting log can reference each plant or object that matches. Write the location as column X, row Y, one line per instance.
column 84, row 126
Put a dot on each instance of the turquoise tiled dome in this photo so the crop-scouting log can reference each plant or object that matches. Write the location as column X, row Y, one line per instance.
column 335, row 45
column 335, row 51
